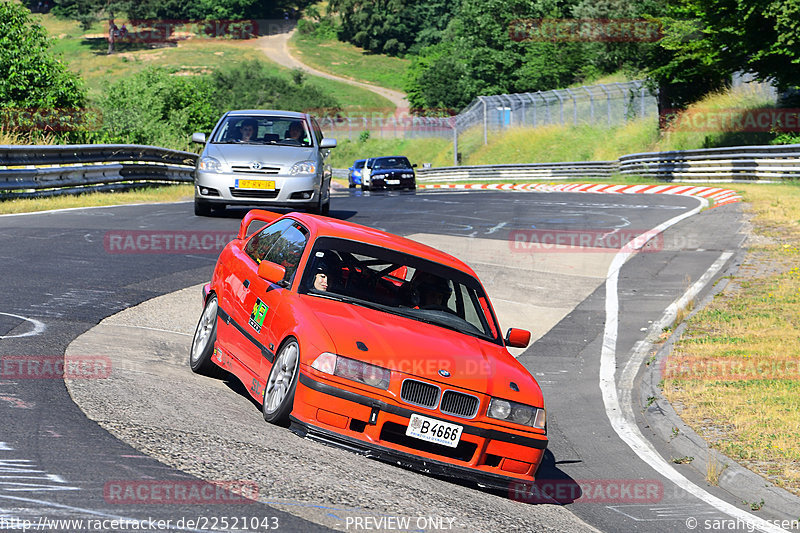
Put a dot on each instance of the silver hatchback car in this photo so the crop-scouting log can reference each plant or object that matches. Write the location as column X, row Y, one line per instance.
column 268, row 158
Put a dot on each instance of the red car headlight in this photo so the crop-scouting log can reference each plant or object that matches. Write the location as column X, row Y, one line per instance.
column 347, row 368
column 518, row 413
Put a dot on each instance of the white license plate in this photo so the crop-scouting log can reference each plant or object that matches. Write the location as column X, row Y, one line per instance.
column 432, row 430
column 392, row 182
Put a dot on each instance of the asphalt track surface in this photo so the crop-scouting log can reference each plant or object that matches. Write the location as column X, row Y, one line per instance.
column 60, row 275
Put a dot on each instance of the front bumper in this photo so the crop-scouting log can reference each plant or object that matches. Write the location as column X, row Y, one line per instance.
column 391, row 182
column 289, row 191
column 489, row 456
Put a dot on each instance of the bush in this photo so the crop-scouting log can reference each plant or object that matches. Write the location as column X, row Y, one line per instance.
column 155, row 107
column 32, row 78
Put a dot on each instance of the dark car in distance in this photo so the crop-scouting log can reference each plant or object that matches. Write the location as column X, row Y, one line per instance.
column 389, row 172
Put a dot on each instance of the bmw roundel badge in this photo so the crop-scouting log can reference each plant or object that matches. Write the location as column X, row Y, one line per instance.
column 444, row 373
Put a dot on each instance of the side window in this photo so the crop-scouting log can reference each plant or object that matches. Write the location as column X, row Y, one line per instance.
column 317, row 130
column 260, row 244
column 288, row 249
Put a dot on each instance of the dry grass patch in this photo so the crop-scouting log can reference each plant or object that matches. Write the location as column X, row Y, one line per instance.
column 734, row 376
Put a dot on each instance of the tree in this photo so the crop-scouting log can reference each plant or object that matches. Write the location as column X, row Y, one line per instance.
column 393, row 27
column 32, row 77
column 706, row 41
column 92, row 10
column 478, row 48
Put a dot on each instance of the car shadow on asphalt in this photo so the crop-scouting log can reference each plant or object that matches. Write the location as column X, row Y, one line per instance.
column 552, row 486
column 232, row 212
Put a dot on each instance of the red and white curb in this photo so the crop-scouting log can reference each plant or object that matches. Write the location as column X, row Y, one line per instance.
column 717, row 195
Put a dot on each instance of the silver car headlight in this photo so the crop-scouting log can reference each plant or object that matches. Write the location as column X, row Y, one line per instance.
column 347, row 368
column 303, row 167
column 408, row 175
column 519, row 413
column 209, row 164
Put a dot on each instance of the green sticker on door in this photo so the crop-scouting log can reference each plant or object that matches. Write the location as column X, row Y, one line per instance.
column 257, row 316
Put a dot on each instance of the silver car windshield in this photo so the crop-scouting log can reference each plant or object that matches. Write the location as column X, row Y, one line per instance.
column 398, row 283
column 242, row 129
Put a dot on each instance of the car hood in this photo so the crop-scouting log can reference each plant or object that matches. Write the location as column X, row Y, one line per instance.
column 422, row 350
column 266, row 154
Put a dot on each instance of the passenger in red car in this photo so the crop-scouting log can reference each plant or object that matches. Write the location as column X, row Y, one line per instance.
column 321, row 281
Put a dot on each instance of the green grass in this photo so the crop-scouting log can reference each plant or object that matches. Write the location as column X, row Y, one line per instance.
column 85, row 53
column 349, row 61
column 169, row 193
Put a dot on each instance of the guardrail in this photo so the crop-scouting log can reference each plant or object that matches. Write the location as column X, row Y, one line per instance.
column 734, row 163
column 35, row 171
column 581, row 169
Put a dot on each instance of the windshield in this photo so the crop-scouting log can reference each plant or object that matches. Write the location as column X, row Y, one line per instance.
column 400, row 284
column 285, row 131
column 359, row 164
column 392, row 162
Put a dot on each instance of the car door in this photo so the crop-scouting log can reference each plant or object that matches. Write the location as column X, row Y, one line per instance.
column 264, row 298
column 246, row 303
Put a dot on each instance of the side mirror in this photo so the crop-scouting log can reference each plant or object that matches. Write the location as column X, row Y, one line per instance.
column 271, row 272
column 518, row 338
column 327, row 143
column 199, row 138
column 414, row 165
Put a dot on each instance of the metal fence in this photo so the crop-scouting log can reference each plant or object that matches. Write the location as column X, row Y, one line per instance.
column 386, row 125
column 607, row 104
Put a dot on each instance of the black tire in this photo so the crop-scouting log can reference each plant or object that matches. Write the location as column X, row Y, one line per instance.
column 205, row 335
column 201, row 208
column 352, row 185
column 326, row 208
column 364, row 187
column 281, row 385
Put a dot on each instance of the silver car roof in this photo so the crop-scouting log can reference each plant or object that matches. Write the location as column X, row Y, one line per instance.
column 271, row 112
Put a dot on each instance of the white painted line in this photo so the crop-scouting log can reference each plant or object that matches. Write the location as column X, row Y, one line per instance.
column 621, row 415
column 38, row 327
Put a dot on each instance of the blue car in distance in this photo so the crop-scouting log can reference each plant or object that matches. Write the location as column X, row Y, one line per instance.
column 354, row 175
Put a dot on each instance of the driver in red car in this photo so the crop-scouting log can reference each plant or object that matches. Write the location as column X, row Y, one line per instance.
column 431, row 291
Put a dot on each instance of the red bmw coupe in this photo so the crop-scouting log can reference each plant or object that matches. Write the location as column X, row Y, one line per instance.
column 374, row 343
